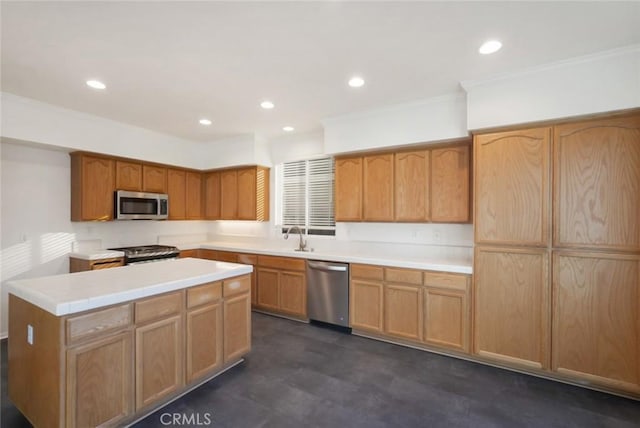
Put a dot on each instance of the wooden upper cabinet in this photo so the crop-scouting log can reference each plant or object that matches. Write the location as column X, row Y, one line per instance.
column 512, row 187
column 229, row 195
column 450, row 184
column 411, row 196
column 246, row 188
column 348, row 189
column 597, row 184
column 596, row 318
column 92, row 187
column 377, row 180
column 176, row 186
column 128, row 176
column 154, row 179
column 193, row 195
column 212, row 195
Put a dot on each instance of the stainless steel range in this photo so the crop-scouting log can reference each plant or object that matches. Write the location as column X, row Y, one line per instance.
column 148, row 253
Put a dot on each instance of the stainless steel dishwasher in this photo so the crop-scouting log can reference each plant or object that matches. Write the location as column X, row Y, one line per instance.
column 328, row 292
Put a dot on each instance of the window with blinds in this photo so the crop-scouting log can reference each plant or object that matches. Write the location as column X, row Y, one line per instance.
column 307, row 196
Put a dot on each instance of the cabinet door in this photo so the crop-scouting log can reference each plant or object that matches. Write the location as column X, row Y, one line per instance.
column 378, row 187
column 511, row 298
column 268, row 288
column 402, row 311
column 128, row 176
column 229, row 195
column 247, row 194
column 99, row 387
column 204, row 341
column 237, row 327
column 450, row 184
column 154, row 179
column 194, row 195
column 176, row 185
column 212, row 196
column 348, row 189
column 512, row 187
column 159, row 351
column 365, row 303
column 411, row 196
column 596, row 318
column 293, row 293
column 446, row 318
column 92, row 187
column 597, row 184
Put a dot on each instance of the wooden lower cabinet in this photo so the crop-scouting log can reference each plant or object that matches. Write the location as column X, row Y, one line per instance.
column 237, row 326
column 446, row 318
column 596, row 318
column 293, row 293
column 366, row 305
column 511, row 312
column 268, row 297
column 204, row 341
column 99, row 387
column 281, row 286
column 81, row 265
column 402, row 311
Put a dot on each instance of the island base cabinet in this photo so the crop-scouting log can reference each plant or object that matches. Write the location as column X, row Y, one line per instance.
column 237, row 326
column 158, row 360
column 99, row 388
column 366, row 305
column 204, row 341
column 596, row 319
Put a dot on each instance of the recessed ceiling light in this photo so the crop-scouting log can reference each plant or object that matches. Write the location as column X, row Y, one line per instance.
column 205, row 122
column 356, row 82
column 288, row 128
column 267, row 105
column 489, row 47
column 96, row 84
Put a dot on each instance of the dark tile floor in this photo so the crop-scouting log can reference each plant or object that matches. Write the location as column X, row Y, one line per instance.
column 303, row 375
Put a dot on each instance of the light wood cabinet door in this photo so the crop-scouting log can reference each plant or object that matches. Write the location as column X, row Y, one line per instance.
column 98, row 384
column 411, row 195
column 348, row 189
column 402, row 311
column 204, row 341
column 193, row 195
column 293, row 293
column 247, row 194
column 377, row 178
column 512, row 187
column 597, row 184
column 229, row 195
column 237, row 327
column 267, row 284
column 450, row 184
column 159, row 352
column 128, row 176
column 596, row 318
column 92, row 187
column 512, row 306
column 176, row 186
column 366, row 305
column 446, row 318
column 212, row 196
column 154, row 179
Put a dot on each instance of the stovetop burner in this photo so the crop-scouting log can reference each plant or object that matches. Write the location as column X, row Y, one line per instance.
column 148, row 252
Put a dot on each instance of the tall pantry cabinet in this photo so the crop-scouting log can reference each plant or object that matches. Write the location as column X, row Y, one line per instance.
column 557, row 259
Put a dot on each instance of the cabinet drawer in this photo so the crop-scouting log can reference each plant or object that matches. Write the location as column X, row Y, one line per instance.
column 158, row 307
column 107, row 263
column 98, row 322
column 226, row 256
column 446, row 280
column 248, row 259
column 203, row 294
column 285, row 263
column 367, row 272
column 188, row 253
column 407, row 276
column 236, row 285
column 208, row 254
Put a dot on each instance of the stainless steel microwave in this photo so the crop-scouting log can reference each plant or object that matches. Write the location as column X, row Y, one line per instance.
column 141, row 206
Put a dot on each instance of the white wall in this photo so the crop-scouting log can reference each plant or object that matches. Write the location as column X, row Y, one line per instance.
column 435, row 119
column 597, row 83
column 36, row 234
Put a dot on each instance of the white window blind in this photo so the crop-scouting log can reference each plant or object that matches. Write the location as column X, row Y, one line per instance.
column 307, row 195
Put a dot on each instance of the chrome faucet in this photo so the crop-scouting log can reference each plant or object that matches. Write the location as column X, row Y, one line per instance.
column 302, row 246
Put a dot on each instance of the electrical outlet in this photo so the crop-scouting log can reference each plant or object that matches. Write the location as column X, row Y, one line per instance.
column 29, row 334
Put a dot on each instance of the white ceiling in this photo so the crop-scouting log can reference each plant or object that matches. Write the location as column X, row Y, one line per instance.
column 168, row 64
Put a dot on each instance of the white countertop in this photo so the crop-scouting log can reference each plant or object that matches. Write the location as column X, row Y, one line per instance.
column 81, row 291
column 96, row 254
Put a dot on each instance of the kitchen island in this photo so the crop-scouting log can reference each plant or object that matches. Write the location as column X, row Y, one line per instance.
column 110, row 346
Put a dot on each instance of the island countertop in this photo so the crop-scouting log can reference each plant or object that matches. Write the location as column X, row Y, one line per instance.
column 81, row 291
